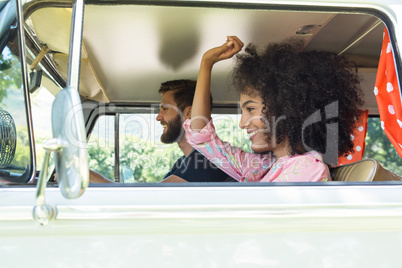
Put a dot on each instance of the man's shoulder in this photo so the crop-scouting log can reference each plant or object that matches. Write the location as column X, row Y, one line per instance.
column 194, row 152
column 197, row 168
column 196, row 156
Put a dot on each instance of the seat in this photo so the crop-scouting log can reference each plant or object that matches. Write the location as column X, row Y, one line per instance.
column 364, row 170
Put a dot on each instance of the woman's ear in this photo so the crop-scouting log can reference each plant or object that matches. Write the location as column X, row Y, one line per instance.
column 187, row 112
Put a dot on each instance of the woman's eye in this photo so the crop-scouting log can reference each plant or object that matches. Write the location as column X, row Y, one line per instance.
column 249, row 109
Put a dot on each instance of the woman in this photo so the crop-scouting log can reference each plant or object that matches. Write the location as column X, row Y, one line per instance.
column 291, row 102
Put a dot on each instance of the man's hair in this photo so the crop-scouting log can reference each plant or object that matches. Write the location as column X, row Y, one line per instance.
column 183, row 94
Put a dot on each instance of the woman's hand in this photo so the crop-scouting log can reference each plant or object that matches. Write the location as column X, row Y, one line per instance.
column 232, row 46
column 201, row 109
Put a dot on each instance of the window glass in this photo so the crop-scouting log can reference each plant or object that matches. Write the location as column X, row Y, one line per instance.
column 143, row 157
column 101, row 146
column 142, row 154
column 380, row 148
column 15, row 154
column 227, row 128
column 41, row 105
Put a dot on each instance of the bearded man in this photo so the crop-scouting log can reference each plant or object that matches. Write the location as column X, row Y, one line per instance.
column 175, row 108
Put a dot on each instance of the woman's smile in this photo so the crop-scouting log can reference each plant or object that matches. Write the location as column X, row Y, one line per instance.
column 252, row 120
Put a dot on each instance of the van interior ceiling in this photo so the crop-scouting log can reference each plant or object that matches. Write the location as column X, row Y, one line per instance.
column 171, row 46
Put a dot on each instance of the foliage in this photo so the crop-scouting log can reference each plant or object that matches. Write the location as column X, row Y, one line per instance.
column 10, row 73
column 101, row 160
column 227, row 129
column 147, row 161
column 11, row 79
column 380, row 148
column 22, row 156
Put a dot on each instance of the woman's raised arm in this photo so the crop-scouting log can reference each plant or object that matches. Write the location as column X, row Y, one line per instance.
column 201, row 110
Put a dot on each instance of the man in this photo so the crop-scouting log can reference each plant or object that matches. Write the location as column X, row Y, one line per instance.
column 175, row 108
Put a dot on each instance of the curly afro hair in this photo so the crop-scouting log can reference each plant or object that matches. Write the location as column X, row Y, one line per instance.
column 299, row 86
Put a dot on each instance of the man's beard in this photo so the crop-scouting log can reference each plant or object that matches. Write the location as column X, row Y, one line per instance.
column 174, row 131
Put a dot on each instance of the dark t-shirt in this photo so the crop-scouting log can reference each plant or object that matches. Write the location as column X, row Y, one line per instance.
column 196, row 168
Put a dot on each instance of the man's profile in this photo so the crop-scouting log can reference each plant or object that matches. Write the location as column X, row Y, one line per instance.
column 175, row 108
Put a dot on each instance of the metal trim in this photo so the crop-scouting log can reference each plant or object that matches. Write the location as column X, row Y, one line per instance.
column 116, row 147
column 74, row 55
column 21, row 45
column 228, row 211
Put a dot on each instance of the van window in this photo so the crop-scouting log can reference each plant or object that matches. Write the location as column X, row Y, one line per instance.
column 380, row 148
column 15, row 153
column 41, row 105
column 143, row 158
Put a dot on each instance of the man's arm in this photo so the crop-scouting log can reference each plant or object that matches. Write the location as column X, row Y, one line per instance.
column 173, row 178
column 95, row 177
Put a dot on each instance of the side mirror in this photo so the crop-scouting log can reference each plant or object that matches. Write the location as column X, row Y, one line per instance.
column 69, row 129
column 69, row 139
column 69, row 146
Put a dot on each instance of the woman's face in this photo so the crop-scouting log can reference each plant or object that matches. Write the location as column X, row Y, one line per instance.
column 253, row 120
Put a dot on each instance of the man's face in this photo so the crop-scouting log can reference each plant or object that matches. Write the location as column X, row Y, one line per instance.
column 171, row 119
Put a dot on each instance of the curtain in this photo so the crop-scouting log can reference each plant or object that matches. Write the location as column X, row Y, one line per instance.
column 359, row 140
column 388, row 95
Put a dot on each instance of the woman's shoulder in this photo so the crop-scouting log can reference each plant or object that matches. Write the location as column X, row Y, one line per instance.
column 308, row 157
column 302, row 167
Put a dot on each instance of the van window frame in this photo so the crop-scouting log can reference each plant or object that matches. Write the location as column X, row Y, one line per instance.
column 261, row 6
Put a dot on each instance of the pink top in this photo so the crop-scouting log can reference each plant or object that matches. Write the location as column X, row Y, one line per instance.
column 251, row 167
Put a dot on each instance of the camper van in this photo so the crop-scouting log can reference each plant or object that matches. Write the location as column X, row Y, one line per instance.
column 79, row 94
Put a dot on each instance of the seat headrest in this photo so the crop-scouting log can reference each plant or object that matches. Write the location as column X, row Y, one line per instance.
column 364, row 170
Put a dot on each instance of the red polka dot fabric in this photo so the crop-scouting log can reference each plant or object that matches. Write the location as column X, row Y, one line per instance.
column 358, row 138
column 388, row 95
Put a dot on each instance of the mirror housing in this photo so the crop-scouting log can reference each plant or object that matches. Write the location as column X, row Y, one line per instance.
column 68, row 127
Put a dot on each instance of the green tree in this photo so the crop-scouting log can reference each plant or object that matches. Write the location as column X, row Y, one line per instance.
column 101, row 160
column 11, row 79
column 10, row 73
column 228, row 130
column 380, row 148
column 148, row 161
column 22, row 156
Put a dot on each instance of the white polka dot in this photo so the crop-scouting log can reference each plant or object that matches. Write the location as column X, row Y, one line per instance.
column 352, row 137
column 375, row 91
column 349, row 157
column 390, row 87
column 400, row 145
column 382, row 125
column 358, row 148
column 399, row 123
column 360, row 128
column 389, row 48
column 391, row 109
